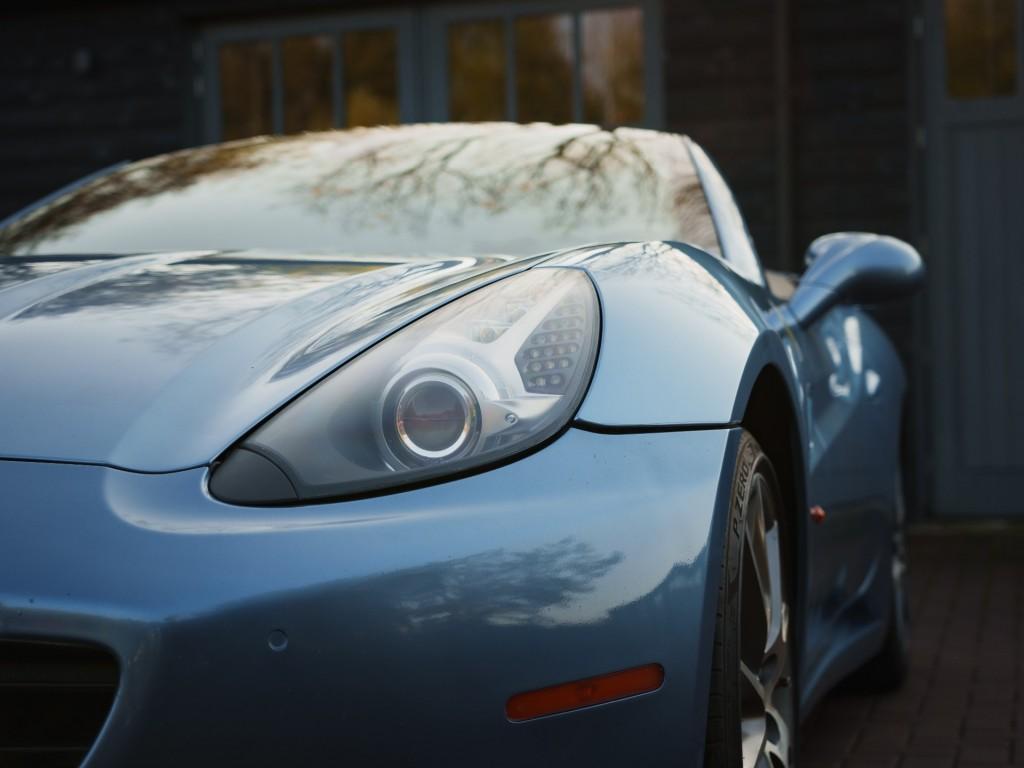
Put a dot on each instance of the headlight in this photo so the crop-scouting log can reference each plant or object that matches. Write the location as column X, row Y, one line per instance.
column 489, row 376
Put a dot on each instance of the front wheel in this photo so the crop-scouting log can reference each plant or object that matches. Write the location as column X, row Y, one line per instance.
column 752, row 707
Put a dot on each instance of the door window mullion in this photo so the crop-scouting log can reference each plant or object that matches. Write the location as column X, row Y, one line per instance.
column 511, row 107
column 337, row 81
column 277, row 88
column 577, row 70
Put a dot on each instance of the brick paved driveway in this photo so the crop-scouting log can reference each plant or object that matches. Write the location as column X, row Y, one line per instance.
column 963, row 704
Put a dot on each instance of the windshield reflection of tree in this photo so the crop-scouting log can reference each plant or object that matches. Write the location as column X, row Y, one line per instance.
column 567, row 180
column 582, row 179
column 148, row 178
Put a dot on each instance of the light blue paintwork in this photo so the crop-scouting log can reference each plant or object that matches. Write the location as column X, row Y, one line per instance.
column 417, row 613
column 104, row 361
column 412, row 617
column 846, row 383
column 854, row 265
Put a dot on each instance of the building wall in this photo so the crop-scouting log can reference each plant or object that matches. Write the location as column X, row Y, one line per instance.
column 852, row 120
column 849, row 111
column 82, row 89
column 720, row 89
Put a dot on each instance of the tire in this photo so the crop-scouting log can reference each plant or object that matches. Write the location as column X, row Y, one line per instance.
column 888, row 670
column 753, row 705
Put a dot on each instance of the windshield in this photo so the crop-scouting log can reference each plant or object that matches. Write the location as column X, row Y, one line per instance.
column 429, row 189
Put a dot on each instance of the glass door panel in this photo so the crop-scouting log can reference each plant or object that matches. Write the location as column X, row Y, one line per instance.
column 370, row 77
column 308, row 65
column 981, row 48
column 544, row 68
column 476, row 71
column 613, row 66
column 246, row 82
column 559, row 61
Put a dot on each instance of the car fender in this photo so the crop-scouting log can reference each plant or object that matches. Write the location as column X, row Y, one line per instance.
column 683, row 338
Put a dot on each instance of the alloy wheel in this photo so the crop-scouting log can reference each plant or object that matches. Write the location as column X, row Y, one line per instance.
column 766, row 679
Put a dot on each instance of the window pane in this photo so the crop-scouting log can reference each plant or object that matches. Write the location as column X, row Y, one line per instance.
column 544, row 68
column 613, row 66
column 307, row 63
column 476, row 71
column 246, row 84
column 371, row 77
column 981, row 48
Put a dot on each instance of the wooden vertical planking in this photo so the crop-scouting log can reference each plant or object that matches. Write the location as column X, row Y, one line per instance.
column 975, row 182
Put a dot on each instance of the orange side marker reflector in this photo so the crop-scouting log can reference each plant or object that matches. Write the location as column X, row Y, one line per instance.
column 585, row 693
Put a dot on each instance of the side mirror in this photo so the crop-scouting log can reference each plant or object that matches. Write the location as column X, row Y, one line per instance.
column 855, row 267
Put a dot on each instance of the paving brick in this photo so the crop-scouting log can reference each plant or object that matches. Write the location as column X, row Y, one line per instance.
column 962, row 706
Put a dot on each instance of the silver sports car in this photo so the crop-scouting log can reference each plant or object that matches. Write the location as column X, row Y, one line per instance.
column 438, row 445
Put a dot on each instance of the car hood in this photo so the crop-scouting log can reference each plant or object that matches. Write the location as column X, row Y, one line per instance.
column 159, row 362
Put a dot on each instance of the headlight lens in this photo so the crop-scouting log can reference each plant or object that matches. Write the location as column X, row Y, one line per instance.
column 489, row 376
column 435, row 417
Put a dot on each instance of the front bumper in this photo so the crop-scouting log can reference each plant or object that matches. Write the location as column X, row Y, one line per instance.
column 409, row 618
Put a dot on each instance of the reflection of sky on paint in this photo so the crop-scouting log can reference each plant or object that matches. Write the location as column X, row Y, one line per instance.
column 17, row 270
column 456, row 189
column 166, row 309
column 99, row 353
column 678, row 290
column 680, row 277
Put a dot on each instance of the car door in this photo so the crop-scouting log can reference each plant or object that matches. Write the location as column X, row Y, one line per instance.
column 852, row 388
column 840, row 360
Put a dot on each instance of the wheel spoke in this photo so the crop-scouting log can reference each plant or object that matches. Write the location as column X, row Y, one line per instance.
column 766, row 692
column 753, row 680
column 777, row 754
column 752, row 735
column 776, row 617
